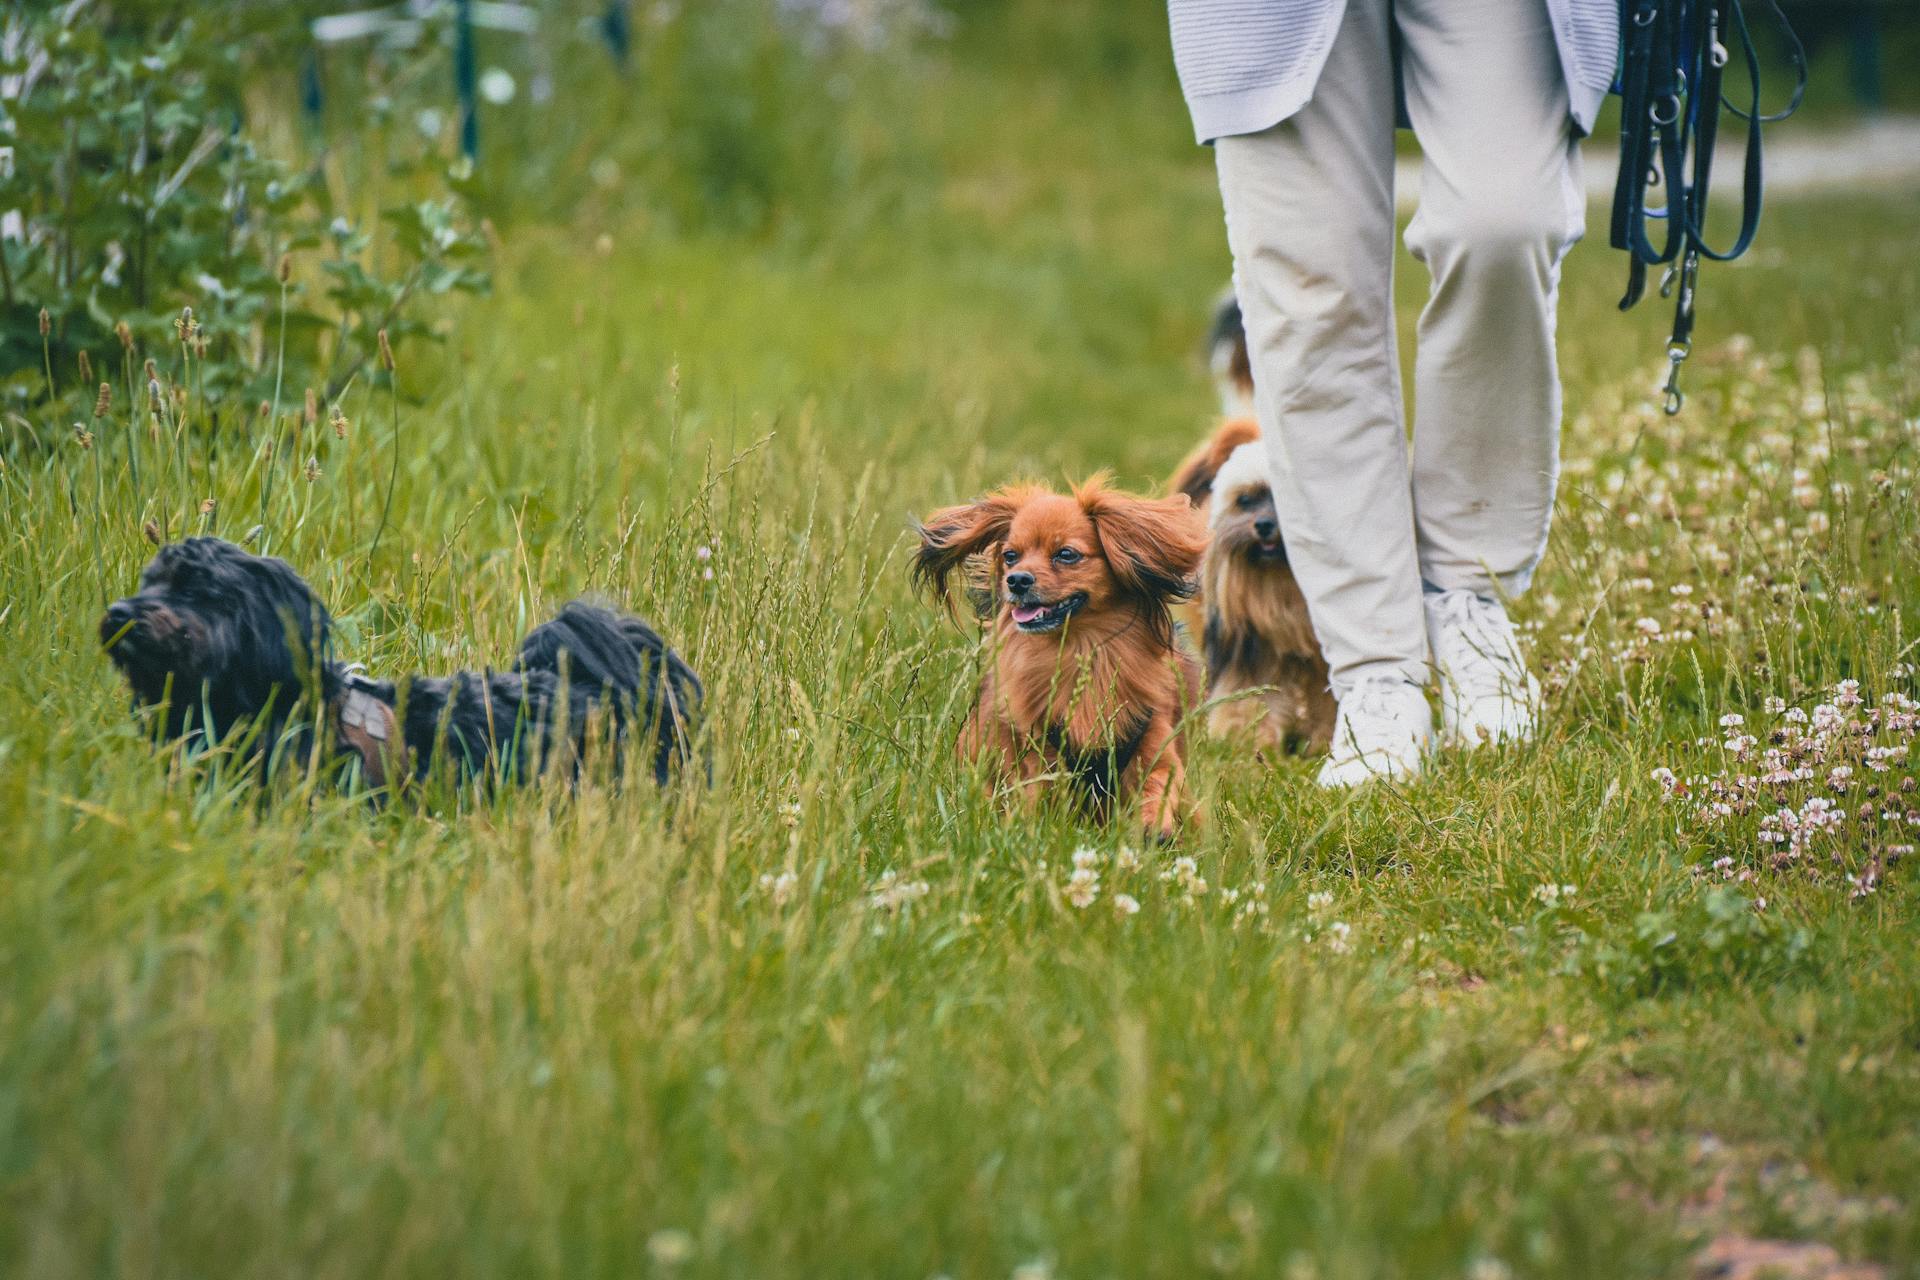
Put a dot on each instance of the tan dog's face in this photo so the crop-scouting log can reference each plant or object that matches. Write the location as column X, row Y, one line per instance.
column 1051, row 565
column 1246, row 524
column 1055, row 556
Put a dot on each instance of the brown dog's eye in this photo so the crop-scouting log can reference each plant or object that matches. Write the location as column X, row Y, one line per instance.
column 1066, row 555
column 1243, row 501
column 1010, row 556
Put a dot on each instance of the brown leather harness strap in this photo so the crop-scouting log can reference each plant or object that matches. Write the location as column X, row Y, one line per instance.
column 368, row 729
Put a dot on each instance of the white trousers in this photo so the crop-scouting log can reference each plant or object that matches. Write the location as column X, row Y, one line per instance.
column 1310, row 217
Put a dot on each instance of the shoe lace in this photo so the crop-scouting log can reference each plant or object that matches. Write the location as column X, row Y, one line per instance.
column 1480, row 651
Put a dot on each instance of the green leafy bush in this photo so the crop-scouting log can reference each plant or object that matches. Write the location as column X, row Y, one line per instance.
column 135, row 191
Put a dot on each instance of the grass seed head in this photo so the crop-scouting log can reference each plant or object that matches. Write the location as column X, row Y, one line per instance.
column 86, row 368
column 339, row 423
column 46, row 322
column 122, row 332
column 386, row 352
column 104, row 401
column 82, row 435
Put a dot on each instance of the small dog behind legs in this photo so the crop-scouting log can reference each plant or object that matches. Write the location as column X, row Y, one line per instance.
column 1084, row 681
column 221, row 640
column 1265, row 671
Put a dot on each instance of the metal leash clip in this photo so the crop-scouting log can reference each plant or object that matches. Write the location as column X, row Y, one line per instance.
column 1677, row 353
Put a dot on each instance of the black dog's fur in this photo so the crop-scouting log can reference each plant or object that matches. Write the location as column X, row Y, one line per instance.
column 222, row 638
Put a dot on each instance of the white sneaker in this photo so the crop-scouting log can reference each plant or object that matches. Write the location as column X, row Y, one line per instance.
column 1487, row 695
column 1384, row 728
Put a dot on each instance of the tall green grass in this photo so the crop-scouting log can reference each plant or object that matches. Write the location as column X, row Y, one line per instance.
column 597, row 1033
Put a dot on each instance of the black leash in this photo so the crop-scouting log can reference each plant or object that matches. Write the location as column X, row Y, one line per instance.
column 1672, row 92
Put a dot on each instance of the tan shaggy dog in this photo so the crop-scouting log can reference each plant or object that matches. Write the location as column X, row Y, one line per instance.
column 1257, row 634
column 1083, row 683
column 1194, row 478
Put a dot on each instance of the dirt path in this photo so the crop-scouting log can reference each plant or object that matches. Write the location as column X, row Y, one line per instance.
column 1878, row 153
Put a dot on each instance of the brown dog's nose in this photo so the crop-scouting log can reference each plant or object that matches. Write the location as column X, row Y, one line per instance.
column 1267, row 529
column 1020, row 583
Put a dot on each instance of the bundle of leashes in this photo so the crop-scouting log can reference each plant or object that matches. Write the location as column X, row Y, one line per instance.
column 1672, row 72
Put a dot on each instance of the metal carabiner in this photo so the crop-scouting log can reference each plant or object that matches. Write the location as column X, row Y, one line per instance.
column 1677, row 353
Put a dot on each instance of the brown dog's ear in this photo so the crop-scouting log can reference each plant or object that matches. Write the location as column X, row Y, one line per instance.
column 951, row 535
column 1153, row 545
column 1195, row 476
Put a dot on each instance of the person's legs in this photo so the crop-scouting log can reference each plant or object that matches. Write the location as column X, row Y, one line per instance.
column 1501, row 202
column 1310, row 218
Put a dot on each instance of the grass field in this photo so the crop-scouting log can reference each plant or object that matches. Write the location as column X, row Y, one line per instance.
column 1542, row 1014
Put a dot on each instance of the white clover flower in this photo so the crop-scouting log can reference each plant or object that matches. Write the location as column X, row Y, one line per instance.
column 1126, row 859
column 1732, row 720
column 779, row 887
column 1083, row 886
column 670, row 1246
column 1085, row 858
column 1647, row 626
column 1339, row 937
column 1774, row 705
column 1318, row 902
column 1125, row 904
column 891, row 893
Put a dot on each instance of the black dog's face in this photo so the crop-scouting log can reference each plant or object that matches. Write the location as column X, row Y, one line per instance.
column 216, row 626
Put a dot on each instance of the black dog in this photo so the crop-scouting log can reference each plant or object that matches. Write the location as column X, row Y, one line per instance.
column 221, row 638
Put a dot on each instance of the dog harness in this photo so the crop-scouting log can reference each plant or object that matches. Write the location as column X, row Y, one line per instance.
column 1671, row 95
column 365, row 726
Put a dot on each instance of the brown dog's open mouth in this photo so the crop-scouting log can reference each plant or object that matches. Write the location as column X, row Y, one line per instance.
column 1275, row 550
column 1033, row 616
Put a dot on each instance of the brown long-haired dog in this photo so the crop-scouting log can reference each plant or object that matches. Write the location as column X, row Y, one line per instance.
column 1084, row 683
column 1257, row 633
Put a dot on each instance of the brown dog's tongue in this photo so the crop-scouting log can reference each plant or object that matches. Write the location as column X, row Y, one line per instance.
column 1027, row 612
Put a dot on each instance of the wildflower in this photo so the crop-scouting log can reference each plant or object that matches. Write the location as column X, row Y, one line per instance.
column 891, row 893
column 1847, row 693
column 703, row 552
column 83, row 436
column 1125, row 904
column 1038, row 1269
column 1083, row 886
column 206, row 506
column 670, row 1247
column 1732, row 720
column 1318, row 902
column 1680, row 589
column 779, row 887
column 1126, row 859
column 339, row 422
column 1647, row 626
column 1339, row 937
column 312, row 469
column 1774, row 705
column 1084, row 859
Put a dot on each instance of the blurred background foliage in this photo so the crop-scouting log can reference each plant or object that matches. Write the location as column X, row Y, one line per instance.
column 165, row 156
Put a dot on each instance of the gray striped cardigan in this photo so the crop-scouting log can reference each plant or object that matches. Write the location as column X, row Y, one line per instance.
column 1246, row 65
